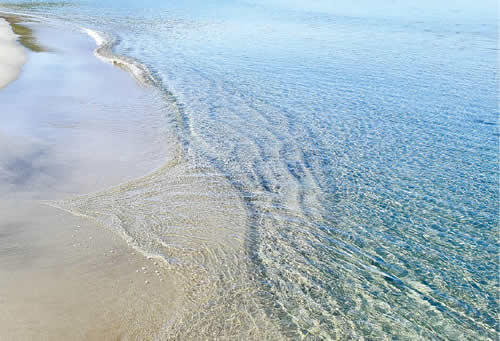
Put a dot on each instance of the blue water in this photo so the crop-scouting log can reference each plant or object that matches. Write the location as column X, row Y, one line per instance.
column 361, row 139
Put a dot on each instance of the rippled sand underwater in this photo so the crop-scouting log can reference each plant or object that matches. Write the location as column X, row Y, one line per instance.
column 333, row 174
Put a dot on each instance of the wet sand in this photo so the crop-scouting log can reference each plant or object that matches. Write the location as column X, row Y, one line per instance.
column 83, row 136
column 72, row 125
column 64, row 278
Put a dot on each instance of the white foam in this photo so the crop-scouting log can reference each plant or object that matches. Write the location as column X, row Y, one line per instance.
column 98, row 37
column 103, row 52
column 12, row 55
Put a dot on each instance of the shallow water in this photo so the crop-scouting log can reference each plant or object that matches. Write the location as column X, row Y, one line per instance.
column 333, row 170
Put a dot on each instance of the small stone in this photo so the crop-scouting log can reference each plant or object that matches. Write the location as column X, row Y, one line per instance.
column 143, row 268
column 146, row 282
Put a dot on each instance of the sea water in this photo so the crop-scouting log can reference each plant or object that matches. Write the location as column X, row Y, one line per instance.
column 333, row 168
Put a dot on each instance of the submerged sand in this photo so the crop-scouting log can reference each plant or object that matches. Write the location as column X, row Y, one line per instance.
column 12, row 55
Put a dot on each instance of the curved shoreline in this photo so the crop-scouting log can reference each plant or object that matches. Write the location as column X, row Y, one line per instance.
column 70, row 93
column 206, row 259
column 12, row 55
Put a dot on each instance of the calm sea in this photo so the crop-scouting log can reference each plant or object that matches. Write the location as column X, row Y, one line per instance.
column 333, row 169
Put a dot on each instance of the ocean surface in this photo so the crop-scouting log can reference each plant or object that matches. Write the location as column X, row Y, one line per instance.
column 332, row 169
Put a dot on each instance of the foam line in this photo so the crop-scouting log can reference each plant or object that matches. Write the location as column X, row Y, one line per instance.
column 104, row 51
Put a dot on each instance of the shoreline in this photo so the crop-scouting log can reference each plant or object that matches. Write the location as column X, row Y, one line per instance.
column 200, row 263
column 75, row 277
column 12, row 55
column 335, row 176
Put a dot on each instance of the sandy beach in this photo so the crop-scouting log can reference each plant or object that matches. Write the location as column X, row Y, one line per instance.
column 64, row 277
column 64, row 167
column 249, row 170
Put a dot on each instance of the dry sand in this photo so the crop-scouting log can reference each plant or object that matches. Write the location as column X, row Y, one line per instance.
column 12, row 55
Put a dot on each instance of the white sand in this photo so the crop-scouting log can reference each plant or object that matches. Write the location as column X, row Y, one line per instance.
column 12, row 55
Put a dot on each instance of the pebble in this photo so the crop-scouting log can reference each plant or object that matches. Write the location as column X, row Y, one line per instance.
column 146, row 282
column 144, row 268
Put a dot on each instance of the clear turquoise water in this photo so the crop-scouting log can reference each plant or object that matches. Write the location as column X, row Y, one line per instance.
column 361, row 140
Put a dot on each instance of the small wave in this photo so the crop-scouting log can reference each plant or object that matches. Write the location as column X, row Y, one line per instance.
column 98, row 37
column 104, row 51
